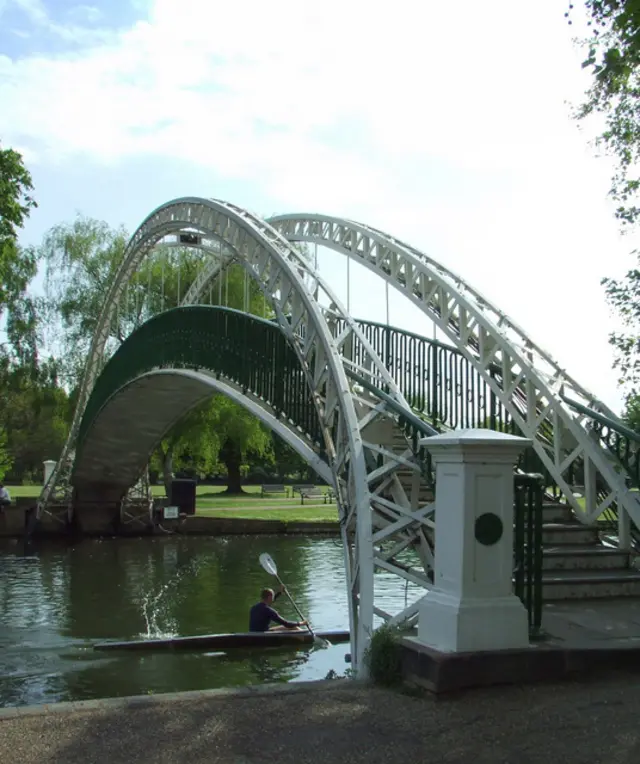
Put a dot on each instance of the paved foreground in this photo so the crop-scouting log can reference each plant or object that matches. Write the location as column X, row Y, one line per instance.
column 335, row 722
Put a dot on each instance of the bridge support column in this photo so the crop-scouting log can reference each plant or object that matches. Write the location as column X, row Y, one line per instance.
column 472, row 606
column 96, row 518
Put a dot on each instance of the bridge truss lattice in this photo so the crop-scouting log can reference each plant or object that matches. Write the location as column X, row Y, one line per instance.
column 374, row 506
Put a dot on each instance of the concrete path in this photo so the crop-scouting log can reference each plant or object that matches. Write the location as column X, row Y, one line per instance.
column 338, row 722
column 595, row 624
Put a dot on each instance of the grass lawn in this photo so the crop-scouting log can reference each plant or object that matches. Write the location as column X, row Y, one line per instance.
column 211, row 501
column 289, row 515
column 31, row 491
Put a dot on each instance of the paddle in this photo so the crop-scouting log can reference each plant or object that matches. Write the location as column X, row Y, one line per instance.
column 269, row 565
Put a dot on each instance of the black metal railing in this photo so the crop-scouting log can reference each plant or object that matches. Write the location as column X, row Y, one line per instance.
column 529, row 492
column 618, row 439
column 623, row 445
column 527, row 546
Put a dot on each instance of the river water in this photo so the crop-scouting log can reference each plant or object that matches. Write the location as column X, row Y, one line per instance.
column 57, row 600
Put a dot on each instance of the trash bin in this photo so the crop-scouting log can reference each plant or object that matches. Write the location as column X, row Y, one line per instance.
column 183, row 495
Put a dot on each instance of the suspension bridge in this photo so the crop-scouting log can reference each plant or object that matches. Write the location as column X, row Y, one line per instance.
column 354, row 398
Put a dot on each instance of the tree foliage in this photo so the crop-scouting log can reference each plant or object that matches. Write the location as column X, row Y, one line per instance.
column 37, row 397
column 82, row 259
column 623, row 297
column 632, row 413
column 17, row 265
column 34, row 415
column 216, row 433
column 613, row 58
column 32, row 405
column 6, row 460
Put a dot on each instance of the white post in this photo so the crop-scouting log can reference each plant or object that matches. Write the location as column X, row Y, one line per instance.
column 472, row 606
column 386, row 294
column 590, row 487
column 49, row 466
column 624, row 529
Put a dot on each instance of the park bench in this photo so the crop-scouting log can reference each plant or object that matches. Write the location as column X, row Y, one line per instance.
column 300, row 487
column 272, row 490
column 312, row 492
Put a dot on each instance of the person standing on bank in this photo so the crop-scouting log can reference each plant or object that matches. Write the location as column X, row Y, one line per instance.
column 262, row 614
column 5, row 499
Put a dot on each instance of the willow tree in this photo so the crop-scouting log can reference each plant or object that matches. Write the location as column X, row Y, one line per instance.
column 82, row 258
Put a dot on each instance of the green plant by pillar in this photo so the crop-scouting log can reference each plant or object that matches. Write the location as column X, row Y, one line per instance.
column 383, row 656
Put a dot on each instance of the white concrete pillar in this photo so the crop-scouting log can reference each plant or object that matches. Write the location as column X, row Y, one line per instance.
column 49, row 466
column 472, row 606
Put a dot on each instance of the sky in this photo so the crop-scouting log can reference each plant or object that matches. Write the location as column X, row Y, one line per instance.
column 448, row 125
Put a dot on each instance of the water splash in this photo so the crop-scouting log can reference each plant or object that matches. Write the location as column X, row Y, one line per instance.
column 154, row 604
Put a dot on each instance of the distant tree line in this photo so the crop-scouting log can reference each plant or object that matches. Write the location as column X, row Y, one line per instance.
column 46, row 338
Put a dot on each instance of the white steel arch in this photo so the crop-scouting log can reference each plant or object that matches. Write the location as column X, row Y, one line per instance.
column 291, row 285
column 487, row 337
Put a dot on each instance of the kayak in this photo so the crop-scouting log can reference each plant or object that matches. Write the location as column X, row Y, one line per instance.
column 251, row 639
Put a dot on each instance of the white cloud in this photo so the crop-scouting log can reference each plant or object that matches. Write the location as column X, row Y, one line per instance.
column 73, row 32
column 446, row 123
column 33, row 9
column 87, row 13
column 417, row 82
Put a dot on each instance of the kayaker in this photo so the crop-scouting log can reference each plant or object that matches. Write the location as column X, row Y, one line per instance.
column 262, row 614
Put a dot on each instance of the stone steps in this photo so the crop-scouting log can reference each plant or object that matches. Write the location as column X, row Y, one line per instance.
column 582, row 557
column 568, row 534
column 556, row 513
column 590, row 584
column 575, row 563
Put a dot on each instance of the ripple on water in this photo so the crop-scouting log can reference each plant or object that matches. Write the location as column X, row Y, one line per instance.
column 57, row 600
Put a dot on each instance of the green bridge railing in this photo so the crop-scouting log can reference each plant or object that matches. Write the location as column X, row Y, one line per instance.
column 623, row 444
column 248, row 351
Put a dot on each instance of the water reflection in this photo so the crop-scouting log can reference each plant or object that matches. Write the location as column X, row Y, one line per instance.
column 57, row 600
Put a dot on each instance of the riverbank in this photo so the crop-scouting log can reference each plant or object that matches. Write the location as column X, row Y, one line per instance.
column 331, row 721
column 210, row 497
column 217, row 513
column 292, row 520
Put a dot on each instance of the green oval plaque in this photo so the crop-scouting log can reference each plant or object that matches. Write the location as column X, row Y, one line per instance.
column 489, row 529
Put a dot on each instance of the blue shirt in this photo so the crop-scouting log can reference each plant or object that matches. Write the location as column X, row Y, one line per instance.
column 261, row 615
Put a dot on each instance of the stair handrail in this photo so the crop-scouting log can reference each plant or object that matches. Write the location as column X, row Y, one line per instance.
column 631, row 465
column 618, row 426
column 393, row 404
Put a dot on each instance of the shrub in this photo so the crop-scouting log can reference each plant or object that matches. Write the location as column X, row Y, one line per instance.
column 383, row 656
